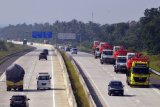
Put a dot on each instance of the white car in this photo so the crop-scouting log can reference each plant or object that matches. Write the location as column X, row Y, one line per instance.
column 74, row 51
column 43, row 81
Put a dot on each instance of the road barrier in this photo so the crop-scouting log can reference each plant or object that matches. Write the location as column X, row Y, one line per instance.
column 154, row 71
column 70, row 95
column 3, row 59
column 89, row 96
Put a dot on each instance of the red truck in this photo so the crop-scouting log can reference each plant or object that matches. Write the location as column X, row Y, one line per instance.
column 120, row 52
column 104, row 45
column 95, row 44
column 137, row 58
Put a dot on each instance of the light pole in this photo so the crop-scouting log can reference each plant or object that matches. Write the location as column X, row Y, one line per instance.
column 80, row 39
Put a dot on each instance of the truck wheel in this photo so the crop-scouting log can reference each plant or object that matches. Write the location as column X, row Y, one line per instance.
column 20, row 89
column 101, row 61
column 8, row 89
column 95, row 57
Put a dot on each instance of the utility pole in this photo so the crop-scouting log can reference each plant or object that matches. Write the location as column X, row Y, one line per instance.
column 92, row 16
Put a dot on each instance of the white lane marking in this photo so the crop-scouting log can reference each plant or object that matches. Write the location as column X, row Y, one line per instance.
column 31, row 72
column 54, row 105
column 2, row 77
column 95, row 86
column 114, row 78
column 156, row 90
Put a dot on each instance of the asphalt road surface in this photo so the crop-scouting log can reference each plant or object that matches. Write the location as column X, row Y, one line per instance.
column 56, row 97
column 100, row 75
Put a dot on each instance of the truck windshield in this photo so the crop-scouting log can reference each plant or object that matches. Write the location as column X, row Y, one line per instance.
column 108, row 52
column 122, row 60
column 141, row 70
column 130, row 56
column 43, row 78
column 97, row 49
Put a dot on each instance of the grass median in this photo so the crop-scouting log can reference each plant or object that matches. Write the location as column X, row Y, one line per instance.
column 81, row 97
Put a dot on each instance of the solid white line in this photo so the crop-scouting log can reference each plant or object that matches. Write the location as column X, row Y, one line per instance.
column 2, row 77
column 94, row 84
column 54, row 105
column 156, row 90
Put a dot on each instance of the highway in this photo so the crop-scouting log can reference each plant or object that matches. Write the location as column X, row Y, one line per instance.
column 100, row 75
column 56, row 97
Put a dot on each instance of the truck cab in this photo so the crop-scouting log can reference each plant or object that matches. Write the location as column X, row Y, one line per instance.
column 97, row 53
column 138, row 74
column 43, row 81
column 120, row 64
column 130, row 55
column 107, row 56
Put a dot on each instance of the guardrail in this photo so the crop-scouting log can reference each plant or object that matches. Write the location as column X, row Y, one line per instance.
column 70, row 95
column 13, row 54
column 87, row 92
column 154, row 71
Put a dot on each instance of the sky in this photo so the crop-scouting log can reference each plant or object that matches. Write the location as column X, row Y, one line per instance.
column 104, row 11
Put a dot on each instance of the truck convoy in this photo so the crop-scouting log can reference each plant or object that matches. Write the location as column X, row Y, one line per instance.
column 14, row 77
column 138, row 71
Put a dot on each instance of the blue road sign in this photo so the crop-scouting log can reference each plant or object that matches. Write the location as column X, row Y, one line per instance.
column 45, row 35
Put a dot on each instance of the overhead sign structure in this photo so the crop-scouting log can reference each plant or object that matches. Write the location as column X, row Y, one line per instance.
column 45, row 35
column 67, row 36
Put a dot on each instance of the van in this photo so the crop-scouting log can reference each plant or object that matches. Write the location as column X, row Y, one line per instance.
column 43, row 81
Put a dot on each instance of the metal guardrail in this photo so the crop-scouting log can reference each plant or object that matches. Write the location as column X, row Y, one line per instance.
column 154, row 71
column 70, row 95
column 13, row 54
column 87, row 92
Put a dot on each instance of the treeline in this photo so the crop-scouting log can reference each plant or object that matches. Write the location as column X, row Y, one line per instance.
column 4, row 46
column 142, row 35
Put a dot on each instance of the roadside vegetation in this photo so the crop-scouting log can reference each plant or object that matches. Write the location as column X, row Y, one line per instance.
column 77, row 87
column 155, row 62
column 8, row 48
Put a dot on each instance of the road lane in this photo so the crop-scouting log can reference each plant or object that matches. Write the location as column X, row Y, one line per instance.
column 32, row 66
column 100, row 75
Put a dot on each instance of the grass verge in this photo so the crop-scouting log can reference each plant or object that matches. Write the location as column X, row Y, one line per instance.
column 155, row 62
column 77, row 87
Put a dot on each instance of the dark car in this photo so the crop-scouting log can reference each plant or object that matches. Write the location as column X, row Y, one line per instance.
column 42, row 56
column 45, row 51
column 115, row 88
column 19, row 101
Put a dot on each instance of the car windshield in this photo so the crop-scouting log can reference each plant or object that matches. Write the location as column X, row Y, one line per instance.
column 116, row 84
column 74, row 49
column 141, row 70
column 43, row 78
column 18, row 98
column 108, row 52
column 121, row 60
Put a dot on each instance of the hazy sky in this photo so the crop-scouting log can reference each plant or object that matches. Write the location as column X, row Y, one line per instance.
column 104, row 11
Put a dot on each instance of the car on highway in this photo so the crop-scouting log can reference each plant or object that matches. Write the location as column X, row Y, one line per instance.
column 43, row 81
column 31, row 43
column 19, row 100
column 42, row 56
column 45, row 51
column 115, row 87
column 74, row 51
